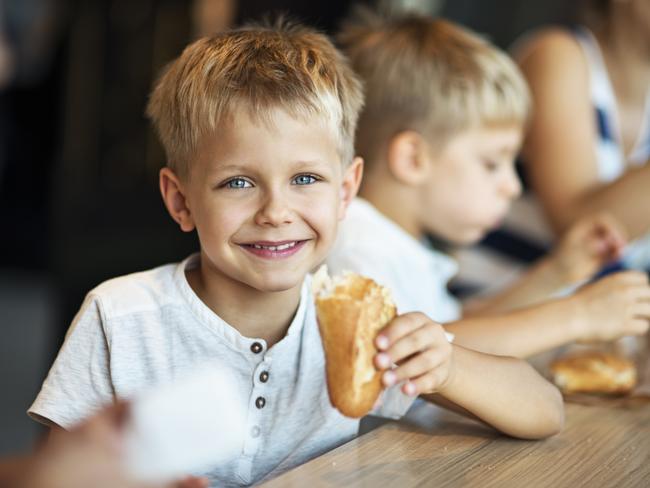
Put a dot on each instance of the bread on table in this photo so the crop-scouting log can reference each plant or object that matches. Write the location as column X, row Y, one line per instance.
column 594, row 372
column 351, row 310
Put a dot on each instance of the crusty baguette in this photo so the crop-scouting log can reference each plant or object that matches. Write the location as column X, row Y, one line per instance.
column 351, row 311
column 594, row 372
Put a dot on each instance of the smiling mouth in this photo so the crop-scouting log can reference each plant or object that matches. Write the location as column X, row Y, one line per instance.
column 273, row 250
column 279, row 247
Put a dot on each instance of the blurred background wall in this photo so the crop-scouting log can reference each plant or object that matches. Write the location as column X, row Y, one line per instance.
column 79, row 200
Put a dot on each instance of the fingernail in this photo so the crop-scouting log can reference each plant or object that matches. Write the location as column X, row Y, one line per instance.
column 389, row 378
column 383, row 360
column 409, row 389
column 382, row 342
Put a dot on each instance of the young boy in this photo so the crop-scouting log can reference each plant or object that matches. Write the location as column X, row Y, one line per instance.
column 258, row 126
column 442, row 124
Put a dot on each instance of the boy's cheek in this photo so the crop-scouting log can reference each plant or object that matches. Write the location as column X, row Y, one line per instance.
column 324, row 219
column 226, row 220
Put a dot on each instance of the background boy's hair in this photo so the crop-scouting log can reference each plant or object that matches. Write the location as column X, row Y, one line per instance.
column 257, row 68
column 428, row 75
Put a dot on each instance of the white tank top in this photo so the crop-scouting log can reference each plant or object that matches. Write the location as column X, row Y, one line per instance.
column 609, row 148
column 609, row 152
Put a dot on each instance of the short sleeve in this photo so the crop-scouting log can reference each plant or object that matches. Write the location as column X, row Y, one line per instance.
column 79, row 381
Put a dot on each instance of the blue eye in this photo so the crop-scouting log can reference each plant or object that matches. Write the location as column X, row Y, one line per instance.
column 237, row 183
column 305, row 180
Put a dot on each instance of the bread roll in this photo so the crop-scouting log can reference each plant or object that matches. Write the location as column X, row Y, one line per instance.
column 594, row 372
column 351, row 310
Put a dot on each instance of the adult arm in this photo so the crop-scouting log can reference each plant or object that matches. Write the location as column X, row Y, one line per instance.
column 560, row 148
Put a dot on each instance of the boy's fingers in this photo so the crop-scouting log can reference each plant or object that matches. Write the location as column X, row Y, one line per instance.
column 418, row 365
column 601, row 225
column 398, row 328
column 610, row 246
column 410, row 389
column 615, row 250
column 421, row 339
column 427, row 383
column 612, row 227
column 612, row 233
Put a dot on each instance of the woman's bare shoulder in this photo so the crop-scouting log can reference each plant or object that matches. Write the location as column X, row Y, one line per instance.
column 548, row 44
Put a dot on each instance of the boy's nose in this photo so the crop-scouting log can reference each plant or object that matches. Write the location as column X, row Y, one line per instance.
column 512, row 185
column 274, row 211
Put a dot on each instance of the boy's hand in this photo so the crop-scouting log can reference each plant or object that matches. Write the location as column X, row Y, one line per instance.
column 419, row 348
column 588, row 245
column 614, row 306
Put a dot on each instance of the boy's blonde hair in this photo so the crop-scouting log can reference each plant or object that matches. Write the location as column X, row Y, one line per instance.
column 257, row 69
column 431, row 76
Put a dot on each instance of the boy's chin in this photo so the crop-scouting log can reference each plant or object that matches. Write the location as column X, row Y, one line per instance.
column 467, row 238
column 275, row 284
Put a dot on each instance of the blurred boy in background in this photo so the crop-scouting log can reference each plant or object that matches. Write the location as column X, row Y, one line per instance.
column 443, row 121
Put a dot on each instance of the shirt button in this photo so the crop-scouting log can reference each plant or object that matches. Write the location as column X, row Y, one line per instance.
column 260, row 402
column 255, row 432
column 256, row 347
column 264, row 376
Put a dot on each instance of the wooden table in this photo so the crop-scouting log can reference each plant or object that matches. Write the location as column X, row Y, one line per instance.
column 600, row 447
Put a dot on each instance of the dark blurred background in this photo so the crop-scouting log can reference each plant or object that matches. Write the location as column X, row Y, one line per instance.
column 79, row 199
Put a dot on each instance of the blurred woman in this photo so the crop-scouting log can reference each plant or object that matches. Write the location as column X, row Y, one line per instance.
column 588, row 146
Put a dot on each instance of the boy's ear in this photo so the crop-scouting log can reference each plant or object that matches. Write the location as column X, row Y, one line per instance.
column 407, row 158
column 173, row 195
column 350, row 184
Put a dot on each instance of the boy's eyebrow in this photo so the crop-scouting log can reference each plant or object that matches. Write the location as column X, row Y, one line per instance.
column 231, row 167
column 504, row 150
column 297, row 165
column 509, row 150
column 310, row 163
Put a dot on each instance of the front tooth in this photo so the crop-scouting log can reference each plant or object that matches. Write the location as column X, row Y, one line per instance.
column 281, row 247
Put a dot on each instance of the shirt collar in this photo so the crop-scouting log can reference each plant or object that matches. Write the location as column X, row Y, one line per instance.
column 219, row 326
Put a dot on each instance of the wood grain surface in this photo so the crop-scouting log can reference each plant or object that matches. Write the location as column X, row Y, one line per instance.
column 599, row 447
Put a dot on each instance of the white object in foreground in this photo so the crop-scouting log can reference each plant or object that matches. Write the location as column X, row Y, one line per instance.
column 185, row 427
